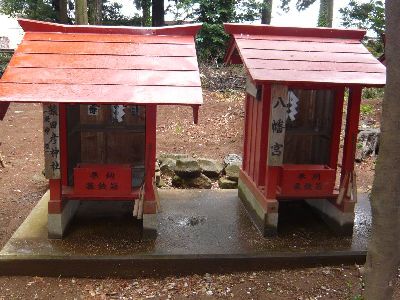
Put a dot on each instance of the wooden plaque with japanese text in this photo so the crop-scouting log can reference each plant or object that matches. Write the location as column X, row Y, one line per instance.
column 277, row 124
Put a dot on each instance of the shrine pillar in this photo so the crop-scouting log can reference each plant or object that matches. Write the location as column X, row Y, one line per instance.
column 339, row 212
column 60, row 212
column 150, row 191
column 258, row 177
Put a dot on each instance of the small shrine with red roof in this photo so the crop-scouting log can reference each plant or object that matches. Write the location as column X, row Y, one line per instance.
column 294, row 107
column 100, row 87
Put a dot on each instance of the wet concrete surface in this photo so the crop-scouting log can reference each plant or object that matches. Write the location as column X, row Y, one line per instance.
column 192, row 222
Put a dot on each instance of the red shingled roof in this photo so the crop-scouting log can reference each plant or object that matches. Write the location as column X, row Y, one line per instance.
column 100, row 64
column 304, row 55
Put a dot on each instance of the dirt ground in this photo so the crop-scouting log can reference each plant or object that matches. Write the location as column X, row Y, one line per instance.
column 219, row 133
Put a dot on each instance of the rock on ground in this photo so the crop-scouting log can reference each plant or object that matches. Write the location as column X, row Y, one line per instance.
column 368, row 143
column 173, row 156
column 200, row 182
column 225, row 183
column 168, row 166
column 210, row 167
column 187, row 168
column 232, row 172
column 233, row 159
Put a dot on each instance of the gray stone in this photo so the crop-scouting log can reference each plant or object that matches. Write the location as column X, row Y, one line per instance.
column 210, row 167
column 168, row 166
column 58, row 223
column 266, row 222
column 174, row 156
column 161, row 183
column 368, row 143
column 233, row 159
column 187, row 168
column 225, row 183
column 158, row 177
column 150, row 225
column 339, row 221
column 200, row 182
column 232, row 172
column 157, row 166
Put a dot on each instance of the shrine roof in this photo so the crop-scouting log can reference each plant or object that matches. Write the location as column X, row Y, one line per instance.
column 304, row 55
column 103, row 64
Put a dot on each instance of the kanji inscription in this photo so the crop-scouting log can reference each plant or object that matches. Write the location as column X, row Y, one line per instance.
column 279, row 110
column 51, row 133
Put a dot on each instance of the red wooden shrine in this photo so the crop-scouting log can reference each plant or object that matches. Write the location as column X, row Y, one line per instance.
column 294, row 106
column 100, row 87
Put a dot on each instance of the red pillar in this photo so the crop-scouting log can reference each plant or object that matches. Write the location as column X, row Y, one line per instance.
column 350, row 143
column 150, row 206
column 336, row 128
column 63, row 144
column 245, row 163
column 266, row 96
column 350, row 140
column 3, row 109
column 55, row 203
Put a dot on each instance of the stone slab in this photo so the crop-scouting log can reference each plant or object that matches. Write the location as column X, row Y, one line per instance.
column 208, row 230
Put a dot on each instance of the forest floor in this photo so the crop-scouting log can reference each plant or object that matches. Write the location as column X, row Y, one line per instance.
column 219, row 133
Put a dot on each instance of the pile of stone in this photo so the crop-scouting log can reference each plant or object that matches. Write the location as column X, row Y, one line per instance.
column 368, row 143
column 184, row 171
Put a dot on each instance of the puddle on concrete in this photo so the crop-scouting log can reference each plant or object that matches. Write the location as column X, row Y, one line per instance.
column 220, row 225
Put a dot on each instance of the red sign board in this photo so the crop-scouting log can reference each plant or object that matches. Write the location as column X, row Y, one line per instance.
column 307, row 181
column 102, row 180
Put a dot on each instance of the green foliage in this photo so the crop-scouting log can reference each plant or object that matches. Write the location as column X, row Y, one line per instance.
column 373, row 93
column 370, row 16
column 145, row 7
column 112, row 15
column 325, row 17
column 212, row 39
column 32, row 9
column 211, row 42
column 366, row 109
column 4, row 60
column 300, row 4
column 45, row 10
column 325, row 11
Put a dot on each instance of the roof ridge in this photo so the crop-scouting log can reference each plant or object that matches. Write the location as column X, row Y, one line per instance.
column 323, row 32
column 40, row 26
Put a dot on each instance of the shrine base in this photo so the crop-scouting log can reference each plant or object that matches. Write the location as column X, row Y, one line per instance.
column 266, row 222
column 150, row 224
column 58, row 223
column 339, row 221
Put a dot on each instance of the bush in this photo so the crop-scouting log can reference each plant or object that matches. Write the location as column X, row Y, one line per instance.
column 366, row 109
column 4, row 60
column 211, row 43
column 373, row 93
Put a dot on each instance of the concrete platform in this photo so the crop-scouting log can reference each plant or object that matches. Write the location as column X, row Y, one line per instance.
column 198, row 231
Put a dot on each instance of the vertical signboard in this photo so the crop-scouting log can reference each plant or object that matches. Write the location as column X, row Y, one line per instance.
column 279, row 110
column 51, row 133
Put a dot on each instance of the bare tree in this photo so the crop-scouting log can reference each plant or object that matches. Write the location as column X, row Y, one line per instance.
column 266, row 12
column 81, row 12
column 325, row 17
column 157, row 13
column 61, row 8
column 383, row 256
column 95, row 11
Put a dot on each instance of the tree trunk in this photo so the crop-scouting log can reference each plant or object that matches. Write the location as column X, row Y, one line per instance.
column 384, row 245
column 158, row 13
column 266, row 12
column 146, row 17
column 325, row 17
column 81, row 13
column 63, row 12
column 96, row 12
